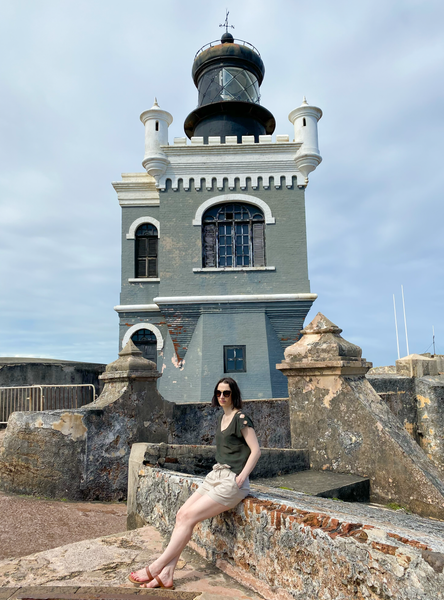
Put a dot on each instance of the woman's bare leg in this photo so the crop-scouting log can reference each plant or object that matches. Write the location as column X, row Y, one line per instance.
column 187, row 517
column 141, row 574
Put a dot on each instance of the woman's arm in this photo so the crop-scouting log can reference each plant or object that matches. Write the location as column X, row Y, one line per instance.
column 251, row 439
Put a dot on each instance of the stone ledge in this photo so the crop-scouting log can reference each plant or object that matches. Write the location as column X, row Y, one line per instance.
column 307, row 545
column 199, row 459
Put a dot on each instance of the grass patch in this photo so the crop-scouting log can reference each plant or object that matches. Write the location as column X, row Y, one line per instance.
column 396, row 506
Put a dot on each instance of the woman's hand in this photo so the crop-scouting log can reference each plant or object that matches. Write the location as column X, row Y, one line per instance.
column 240, row 481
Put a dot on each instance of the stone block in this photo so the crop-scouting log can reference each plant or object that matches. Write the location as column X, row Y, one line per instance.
column 417, row 365
column 337, row 415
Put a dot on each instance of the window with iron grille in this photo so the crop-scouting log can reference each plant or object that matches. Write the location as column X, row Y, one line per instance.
column 146, row 342
column 233, row 235
column 147, row 241
column 235, row 359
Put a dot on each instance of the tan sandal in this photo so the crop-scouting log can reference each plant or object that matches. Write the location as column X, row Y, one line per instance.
column 139, row 583
column 160, row 582
column 165, row 587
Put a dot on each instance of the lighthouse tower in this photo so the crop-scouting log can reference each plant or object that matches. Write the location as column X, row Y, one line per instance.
column 214, row 252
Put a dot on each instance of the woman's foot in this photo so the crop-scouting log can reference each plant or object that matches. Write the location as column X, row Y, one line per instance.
column 165, row 579
column 144, row 575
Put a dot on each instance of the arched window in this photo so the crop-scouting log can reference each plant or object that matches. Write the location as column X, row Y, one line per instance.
column 146, row 251
column 233, row 235
column 146, row 341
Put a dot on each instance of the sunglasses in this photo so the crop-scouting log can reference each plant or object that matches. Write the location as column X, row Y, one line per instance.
column 225, row 393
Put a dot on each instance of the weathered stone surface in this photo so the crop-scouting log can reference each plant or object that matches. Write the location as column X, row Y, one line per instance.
column 83, row 453
column 399, row 393
column 337, row 415
column 91, row 593
column 94, row 568
column 310, row 547
column 195, row 423
column 199, row 460
column 430, row 410
column 418, row 402
column 321, row 341
column 46, row 371
column 327, row 484
column 420, row 365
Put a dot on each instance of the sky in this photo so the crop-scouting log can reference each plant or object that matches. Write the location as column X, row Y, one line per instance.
column 74, row 78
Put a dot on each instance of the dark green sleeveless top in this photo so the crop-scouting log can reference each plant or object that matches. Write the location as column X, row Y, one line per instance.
column 231, row 448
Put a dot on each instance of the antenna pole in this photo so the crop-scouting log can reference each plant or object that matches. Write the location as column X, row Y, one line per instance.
column 433, row 331
column 396, row 326
column 405, row 321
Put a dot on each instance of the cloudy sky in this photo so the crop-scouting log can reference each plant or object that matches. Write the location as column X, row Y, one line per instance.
column 75, row 76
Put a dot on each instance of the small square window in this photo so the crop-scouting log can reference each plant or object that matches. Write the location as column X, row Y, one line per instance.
column 235, row 359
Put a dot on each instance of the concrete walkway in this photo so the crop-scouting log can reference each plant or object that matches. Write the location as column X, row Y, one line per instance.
column 106, row 562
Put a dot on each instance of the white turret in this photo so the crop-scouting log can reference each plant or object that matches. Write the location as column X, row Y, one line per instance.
column 305, row 121
column 156, row 123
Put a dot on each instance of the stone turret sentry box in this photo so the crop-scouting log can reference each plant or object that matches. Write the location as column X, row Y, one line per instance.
column 214, row 251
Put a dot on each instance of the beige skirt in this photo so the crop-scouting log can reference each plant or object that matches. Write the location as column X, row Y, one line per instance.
column 220, row 485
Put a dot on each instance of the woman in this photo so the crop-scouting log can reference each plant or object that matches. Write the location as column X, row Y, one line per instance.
column 237, row 452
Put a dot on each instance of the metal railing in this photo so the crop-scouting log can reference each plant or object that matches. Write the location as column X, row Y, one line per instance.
column 44, row 397
column 218, row 43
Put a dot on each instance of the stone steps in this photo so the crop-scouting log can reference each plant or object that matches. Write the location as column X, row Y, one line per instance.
column 326, row 484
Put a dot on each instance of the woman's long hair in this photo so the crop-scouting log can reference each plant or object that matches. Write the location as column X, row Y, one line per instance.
column 236, row 396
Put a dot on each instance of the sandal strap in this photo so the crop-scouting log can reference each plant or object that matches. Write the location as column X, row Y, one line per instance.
column 159, row 581
column 150, row 577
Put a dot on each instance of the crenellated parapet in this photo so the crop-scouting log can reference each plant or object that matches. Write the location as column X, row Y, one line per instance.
column 267, row 162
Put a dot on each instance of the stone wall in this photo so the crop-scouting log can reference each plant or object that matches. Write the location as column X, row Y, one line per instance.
column 45, row 371
column 199, row 460
column 398, row 392
column 310, row 547
column 418, row 402
column 83, row 453
column 195, row 423
column 337, row 415
column 430, row 407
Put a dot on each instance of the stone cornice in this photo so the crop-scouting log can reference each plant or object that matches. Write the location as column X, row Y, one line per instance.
column 236, row 298
column 137, row 189
column 232, row 161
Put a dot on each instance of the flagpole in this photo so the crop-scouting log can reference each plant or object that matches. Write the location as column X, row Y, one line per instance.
column 405, row 321
column 396, row 326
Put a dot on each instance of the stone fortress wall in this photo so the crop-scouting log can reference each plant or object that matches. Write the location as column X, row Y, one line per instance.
column 17, row 371
column 334, row 420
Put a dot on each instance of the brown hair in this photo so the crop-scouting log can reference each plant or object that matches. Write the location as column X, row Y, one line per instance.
column 236, row 396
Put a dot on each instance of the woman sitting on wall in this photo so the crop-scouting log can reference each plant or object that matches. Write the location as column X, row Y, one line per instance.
column 237, row 452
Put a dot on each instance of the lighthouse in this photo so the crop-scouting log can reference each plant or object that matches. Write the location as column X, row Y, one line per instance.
column 214, row 252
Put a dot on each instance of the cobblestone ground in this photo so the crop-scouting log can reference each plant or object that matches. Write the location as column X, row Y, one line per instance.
column 30, row 525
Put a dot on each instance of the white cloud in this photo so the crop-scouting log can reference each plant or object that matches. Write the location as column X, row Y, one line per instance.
column 79, row 74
